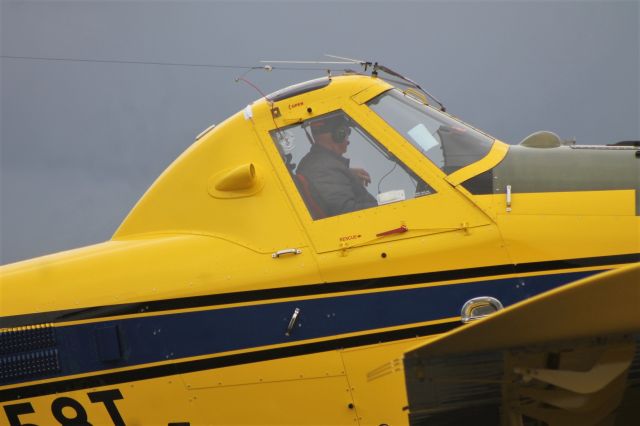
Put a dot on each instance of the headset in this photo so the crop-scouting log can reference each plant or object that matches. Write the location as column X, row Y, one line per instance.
column 339, row 133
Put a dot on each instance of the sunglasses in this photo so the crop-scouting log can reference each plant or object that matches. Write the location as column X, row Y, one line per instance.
column 340, row 133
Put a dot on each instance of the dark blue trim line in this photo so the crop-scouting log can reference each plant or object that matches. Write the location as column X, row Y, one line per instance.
column 108, row 379
column 138, row 341
column 308, row 290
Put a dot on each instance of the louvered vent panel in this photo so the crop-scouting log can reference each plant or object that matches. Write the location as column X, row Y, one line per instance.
column 28, row 352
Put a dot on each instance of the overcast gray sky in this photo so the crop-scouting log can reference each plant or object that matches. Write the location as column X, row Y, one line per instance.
column 85, row 132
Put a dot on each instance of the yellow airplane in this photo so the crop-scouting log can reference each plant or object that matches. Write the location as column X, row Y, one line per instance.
column 328, row 255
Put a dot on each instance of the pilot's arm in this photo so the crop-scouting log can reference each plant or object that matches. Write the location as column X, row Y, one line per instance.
column 362, row 175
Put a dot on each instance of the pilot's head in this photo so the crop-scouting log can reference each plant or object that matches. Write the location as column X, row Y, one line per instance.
column 332, row 133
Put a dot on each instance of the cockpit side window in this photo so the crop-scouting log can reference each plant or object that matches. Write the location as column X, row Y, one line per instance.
column 339, row 168
column 450, row 144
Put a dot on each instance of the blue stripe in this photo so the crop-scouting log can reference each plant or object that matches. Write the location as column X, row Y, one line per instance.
column 180, row 335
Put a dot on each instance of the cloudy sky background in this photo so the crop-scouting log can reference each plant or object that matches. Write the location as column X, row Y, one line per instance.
column 85, row 130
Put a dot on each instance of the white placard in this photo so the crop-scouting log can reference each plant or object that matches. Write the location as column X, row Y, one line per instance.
column 391, row 196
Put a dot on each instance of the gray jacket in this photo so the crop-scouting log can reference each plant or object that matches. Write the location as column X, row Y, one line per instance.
column 336, row 189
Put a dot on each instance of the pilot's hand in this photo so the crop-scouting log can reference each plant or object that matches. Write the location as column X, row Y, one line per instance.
column 362, row 175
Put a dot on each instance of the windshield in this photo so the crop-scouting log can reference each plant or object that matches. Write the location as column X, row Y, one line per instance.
column 448, row 143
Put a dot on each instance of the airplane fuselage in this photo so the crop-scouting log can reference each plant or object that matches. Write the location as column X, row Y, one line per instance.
column 221, row 300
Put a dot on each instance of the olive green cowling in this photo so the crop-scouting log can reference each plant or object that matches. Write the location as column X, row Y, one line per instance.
column 553, row 167
column 567, row 168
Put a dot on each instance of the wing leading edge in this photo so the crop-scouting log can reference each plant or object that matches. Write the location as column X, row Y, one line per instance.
column 569, row 356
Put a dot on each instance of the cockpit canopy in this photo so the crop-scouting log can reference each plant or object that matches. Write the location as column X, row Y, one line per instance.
column 339, row 165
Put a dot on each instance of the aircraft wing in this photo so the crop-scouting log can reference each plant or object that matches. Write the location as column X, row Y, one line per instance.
column 570, row 356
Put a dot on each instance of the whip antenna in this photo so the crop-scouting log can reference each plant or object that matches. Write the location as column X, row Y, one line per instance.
column 241, row 78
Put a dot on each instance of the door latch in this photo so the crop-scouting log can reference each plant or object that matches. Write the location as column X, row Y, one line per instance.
column 292, row 322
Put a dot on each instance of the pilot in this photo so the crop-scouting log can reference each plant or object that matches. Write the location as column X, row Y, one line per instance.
column 338, row 188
